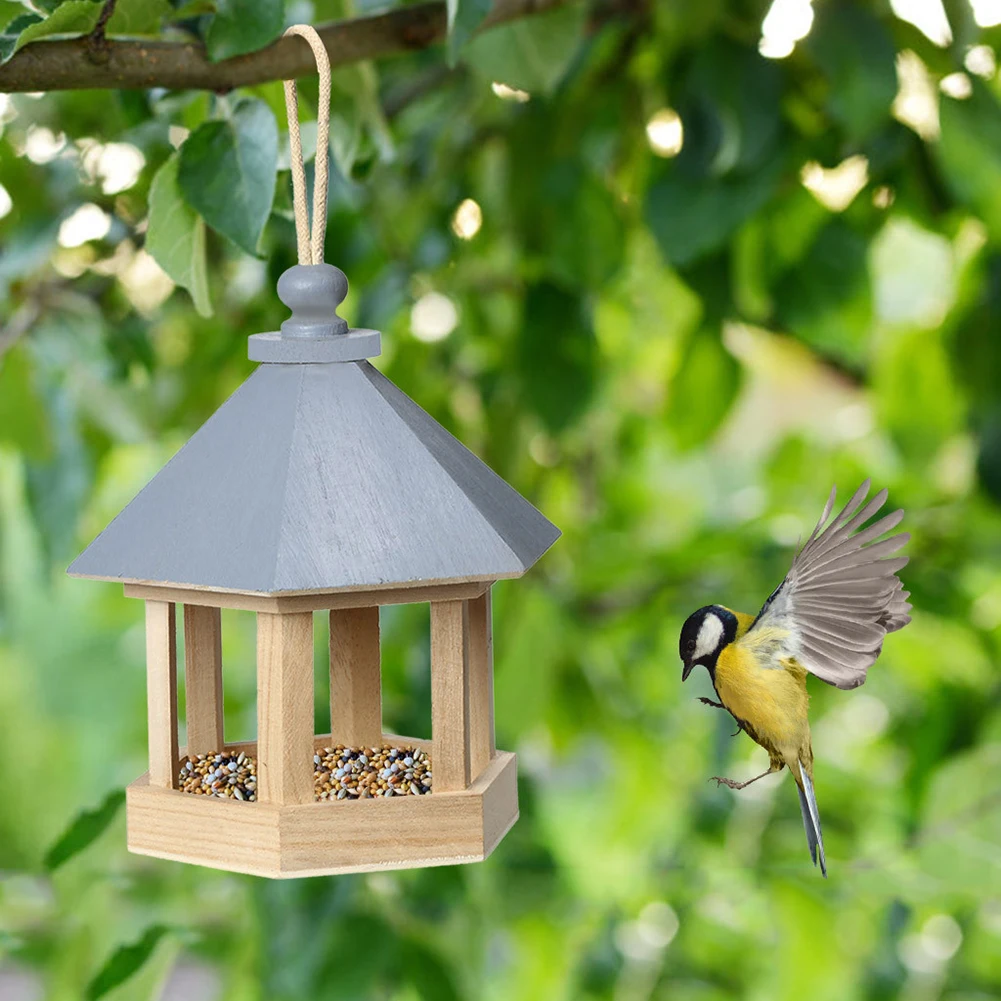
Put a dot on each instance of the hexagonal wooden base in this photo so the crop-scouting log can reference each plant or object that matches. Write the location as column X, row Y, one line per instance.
column 326, row 838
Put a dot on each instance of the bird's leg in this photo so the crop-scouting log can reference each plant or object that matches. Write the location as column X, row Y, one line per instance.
column 709, row 702
column 734, row 784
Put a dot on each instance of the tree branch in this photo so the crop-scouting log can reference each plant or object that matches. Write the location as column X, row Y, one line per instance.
column 69, row 65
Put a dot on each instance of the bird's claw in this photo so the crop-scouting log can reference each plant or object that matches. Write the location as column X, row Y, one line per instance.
column 710, row 702
column 729, row 783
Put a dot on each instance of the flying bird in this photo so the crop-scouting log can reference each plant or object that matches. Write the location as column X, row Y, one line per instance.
column 828, row 618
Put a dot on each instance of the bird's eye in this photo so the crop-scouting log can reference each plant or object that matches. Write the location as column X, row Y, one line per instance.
column 690, row 645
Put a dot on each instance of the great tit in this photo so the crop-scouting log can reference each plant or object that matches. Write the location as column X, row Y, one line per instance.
column 828, row 617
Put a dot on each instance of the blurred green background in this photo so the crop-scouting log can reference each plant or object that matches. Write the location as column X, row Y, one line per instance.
column 671, row 269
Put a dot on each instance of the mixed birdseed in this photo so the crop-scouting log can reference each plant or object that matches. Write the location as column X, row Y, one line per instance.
column 228, row 776
column 339, row 772
column 364, row 773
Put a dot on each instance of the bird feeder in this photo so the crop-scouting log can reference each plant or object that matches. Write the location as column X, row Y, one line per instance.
column 319, row 486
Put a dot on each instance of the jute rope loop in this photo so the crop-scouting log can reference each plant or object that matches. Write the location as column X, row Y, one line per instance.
column 310, row 245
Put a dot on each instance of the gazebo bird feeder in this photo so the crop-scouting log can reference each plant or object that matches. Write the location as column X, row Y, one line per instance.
column 319, row 485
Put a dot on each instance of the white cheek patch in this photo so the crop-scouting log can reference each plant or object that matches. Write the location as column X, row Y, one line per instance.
column 710, row 633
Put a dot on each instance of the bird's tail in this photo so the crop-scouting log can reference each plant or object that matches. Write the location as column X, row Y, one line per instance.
column 811, row 819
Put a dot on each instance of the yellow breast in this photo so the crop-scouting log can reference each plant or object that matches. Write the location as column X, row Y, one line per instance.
column 772, row 699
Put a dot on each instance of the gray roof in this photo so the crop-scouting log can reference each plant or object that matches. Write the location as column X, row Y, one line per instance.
column 319, row 477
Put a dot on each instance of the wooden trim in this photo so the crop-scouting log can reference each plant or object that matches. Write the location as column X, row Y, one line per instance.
column 317, row 601
column 285, row 707
column 203, row 678
column 355, row 677
column 482, row 745
column 450, row 695
column 161, row 692
column 203, row 830
column 327, row 838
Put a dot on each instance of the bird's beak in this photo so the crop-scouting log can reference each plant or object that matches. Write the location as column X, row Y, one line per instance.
column 687, row 670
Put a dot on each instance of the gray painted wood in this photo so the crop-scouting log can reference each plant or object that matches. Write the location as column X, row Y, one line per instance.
column 314, row 332
column 355, row 345
column 320, row 477
column 313, row 292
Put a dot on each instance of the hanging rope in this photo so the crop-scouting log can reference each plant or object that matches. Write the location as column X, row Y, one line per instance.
column 310, row 245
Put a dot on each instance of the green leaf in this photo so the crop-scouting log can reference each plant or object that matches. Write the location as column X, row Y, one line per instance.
column 125, row 962
column 557, row 355
column 242, row 26
column 9, row 11
column 917, row 399
column 827, row 299
column 76, row 17
column 989, row 454
column 691, row 216
column 356, row 96
column 857, row 55
column 702, row 390
column 139, row 17
column 569, row 216
column 24, row 422
column 729, row 103
column 345, row 141
column 12, row 32
column 85, row 829
column 424, row 968
column 227, row 172
column 961, row 823
column 969, row 153
column 532, row 54
column 194, row 8
column 176, row 236
column 464, row 17
column 913, row 271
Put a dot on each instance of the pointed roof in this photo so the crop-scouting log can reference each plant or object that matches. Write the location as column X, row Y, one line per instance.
column 319, row 476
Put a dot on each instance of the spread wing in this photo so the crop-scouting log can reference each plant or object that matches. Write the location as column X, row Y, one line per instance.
column 842, row 594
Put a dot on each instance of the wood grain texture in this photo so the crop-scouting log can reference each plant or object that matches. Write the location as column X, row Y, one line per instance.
column 161, row 692
column 353, row 487
column 355, row 677
column 450, row 695
column 318, row 839
column 203, row 830
column 482, row 746
column 499, row 787
column 285, row 707
column 314, row 601
column 203, row 678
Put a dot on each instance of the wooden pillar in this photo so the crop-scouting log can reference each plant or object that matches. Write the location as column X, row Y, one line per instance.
column 450, row 695
column 161, row 692
column 482, row 746
column 203, row 678
column 285, row 707
column 355, row 677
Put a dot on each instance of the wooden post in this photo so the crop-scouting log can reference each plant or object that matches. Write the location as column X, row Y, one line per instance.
column 482, row 745
column 355, row 677
column 161, row 692
column 203, row 678
column 450, row 695
column 285, row 707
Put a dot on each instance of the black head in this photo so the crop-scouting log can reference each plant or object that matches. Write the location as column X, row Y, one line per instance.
column 704, row 635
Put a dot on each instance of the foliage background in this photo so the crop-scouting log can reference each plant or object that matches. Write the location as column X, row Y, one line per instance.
column 674, row 358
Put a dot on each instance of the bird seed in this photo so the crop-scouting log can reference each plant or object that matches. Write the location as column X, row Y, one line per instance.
column 339, row 772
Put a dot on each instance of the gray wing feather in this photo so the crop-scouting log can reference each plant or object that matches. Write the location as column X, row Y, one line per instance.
column 842, row 594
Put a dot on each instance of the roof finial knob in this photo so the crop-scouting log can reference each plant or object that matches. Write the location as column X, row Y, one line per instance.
column 313, row 292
